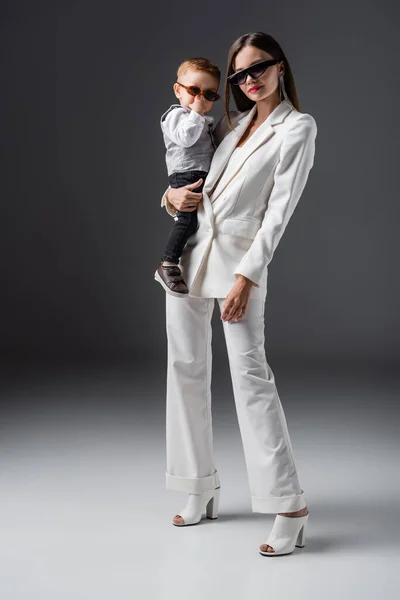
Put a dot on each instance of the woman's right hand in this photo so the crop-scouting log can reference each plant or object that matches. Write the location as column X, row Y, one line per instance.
column 183, row 199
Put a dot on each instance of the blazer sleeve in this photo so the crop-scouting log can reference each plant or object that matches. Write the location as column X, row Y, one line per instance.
column 171, row 210
column 291, row 174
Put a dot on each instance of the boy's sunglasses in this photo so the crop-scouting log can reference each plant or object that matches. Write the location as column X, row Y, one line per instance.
column 195, row 91
column 255, row 71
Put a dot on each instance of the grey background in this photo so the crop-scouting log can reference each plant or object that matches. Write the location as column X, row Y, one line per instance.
column 84, row 84
column 84, row 511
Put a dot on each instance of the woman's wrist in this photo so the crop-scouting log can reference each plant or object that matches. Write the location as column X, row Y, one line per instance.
column 244, row 280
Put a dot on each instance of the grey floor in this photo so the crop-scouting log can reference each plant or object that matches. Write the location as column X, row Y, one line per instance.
column 85, row 514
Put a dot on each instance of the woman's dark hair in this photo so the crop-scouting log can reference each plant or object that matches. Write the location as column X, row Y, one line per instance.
column 265, row 42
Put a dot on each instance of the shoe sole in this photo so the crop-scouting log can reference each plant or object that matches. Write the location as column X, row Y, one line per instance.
column 166, row 288
column 279, row 554
column 189, row 524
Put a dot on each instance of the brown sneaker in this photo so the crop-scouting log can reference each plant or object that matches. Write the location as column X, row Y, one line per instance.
column 172, row 281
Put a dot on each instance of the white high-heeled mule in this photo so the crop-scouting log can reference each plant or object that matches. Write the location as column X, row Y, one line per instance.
column 197, row 505
column 286, row 534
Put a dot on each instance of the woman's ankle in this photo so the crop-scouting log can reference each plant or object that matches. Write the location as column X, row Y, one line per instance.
column 298, row 513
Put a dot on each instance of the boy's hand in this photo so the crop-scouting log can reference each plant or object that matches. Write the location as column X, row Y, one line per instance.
column 199, row 105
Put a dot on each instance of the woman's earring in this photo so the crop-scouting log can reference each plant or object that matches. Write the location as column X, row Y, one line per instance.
column 282, row 90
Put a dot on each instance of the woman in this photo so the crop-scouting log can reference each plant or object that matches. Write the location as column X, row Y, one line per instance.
column 265, row 151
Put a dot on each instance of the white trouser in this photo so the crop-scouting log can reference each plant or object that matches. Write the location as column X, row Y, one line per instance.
column 272, row 476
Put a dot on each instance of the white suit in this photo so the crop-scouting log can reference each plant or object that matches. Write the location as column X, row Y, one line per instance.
column 247, row 202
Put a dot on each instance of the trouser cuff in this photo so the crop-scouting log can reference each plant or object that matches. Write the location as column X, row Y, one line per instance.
column 195, row 485
column 278, row 504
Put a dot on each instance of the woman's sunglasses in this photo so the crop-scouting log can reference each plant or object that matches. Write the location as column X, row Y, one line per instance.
column 255, row 71
column 195, row 91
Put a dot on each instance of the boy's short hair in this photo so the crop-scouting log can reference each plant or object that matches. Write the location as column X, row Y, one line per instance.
column 199, row 64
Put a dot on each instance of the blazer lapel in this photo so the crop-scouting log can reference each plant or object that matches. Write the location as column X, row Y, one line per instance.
column 225, row 149
column 228, row 144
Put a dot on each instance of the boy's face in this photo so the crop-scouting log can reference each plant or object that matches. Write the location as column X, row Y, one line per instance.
column 200, row 79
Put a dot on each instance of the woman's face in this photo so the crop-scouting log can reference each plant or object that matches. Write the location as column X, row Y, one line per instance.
column 265, row 85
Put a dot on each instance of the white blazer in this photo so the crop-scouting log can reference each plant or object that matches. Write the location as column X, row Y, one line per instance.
column 247, row 201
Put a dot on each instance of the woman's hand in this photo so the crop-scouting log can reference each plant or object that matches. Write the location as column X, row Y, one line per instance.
column 236, row 302
column 183, row 198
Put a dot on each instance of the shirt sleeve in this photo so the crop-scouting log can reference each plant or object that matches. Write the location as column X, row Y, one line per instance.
column 182, row 127
column 291, row 174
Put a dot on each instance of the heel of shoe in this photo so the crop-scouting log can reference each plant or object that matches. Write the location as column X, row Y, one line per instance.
column 213, row 505
column 301, row 538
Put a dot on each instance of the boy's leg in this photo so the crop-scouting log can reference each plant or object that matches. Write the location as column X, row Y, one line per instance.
column 186, row 223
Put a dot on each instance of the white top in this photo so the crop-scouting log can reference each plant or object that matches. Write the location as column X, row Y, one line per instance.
column 222, row 180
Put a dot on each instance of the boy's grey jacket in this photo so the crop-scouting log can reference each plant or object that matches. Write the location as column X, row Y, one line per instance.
column 188, row 139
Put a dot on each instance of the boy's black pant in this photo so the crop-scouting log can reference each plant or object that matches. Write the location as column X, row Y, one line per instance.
column 185, row 222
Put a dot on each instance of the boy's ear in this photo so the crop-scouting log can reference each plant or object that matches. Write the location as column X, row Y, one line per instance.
column 176, row 90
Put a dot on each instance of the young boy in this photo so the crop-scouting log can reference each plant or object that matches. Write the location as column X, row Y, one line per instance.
column 187, row 133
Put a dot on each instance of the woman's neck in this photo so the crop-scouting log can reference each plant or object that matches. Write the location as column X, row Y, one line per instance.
column 265, row 108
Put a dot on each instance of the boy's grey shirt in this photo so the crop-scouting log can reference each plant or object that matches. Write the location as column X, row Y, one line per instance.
column 188, row 139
